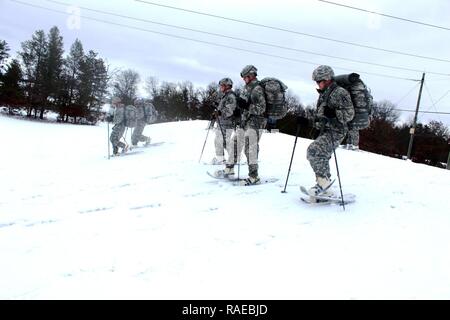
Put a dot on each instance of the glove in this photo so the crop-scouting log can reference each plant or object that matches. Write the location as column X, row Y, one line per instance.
column 242, row 104
column 302, row 121
column 237, row 113
column 329, row 113
column 325, row 121
column 109, row 118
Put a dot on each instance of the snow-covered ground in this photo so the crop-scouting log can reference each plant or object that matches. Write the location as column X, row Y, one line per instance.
column 153, row 225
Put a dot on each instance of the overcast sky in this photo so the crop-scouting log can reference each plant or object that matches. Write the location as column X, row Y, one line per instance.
column 176, row 60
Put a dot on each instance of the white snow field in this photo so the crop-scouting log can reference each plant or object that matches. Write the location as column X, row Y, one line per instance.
column 153, row 225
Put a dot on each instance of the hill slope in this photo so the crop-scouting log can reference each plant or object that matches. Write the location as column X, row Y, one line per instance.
column 153, row 225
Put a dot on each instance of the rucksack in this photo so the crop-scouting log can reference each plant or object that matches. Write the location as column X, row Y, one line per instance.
column 130, row 116
column 145, row 113
column 361, row 98
column 150, row 113
column 274, row 92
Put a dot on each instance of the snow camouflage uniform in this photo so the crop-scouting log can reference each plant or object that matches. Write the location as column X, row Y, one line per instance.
column 335, row 109
column 225, row 123
column 137, row 135
column 118, row 128
column 252, row 123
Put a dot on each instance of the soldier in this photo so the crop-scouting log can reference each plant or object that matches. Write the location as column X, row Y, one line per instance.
column 224, row 115
column 142, row 120
column 119, row 126
column 252, row 122
column 334, row 111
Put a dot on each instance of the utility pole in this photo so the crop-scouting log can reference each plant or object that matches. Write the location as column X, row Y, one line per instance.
column 413, row 129
column 448, row 162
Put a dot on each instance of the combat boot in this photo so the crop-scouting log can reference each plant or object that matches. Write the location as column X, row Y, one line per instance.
column 322, row 187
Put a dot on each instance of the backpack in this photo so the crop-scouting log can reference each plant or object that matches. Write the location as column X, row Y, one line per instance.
column 274, row 92
column 150, row 113
column 361, row 98
column 130, row 116
column 145, row 113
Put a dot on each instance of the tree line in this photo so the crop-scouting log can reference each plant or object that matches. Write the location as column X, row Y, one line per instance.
column 76, row 86
column 42, row 79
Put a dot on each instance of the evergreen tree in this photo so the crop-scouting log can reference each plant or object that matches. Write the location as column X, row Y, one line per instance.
column 34, row 56
column 11, row 93
column 54, row 66
column 70, row 95
column 3, row 54
column 93, row 85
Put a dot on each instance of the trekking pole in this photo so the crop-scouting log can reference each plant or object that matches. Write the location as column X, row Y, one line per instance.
column 337, row 169
column 204, row 144
column 108, row 142
column 292, row 157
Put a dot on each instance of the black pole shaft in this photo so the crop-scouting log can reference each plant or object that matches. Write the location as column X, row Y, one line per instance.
column 339, row 179
column 204, row 144
column 337, row 169
column 108, row 142
column 292, row 157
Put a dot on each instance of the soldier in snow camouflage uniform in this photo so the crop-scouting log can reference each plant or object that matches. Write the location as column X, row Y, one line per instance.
column 119, row 126
column 334, row 111
column 252, row 123
column 137, row 135
column 224, row 119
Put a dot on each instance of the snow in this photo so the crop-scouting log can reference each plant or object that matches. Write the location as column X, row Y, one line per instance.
column 153, row 225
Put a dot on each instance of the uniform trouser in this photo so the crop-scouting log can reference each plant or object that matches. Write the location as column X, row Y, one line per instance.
column 320, row 150
column 248, row 140
column 137, row 135
column 353, row 137
column 222, row 140
column 117, row 133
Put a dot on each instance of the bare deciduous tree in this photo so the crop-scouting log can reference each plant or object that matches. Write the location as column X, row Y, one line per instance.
column 125, row 85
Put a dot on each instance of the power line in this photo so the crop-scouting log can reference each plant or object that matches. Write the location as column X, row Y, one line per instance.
column 208, row 42
column 431, row 99
column 409, row 92
column 250, row 41
column 435, row 103
column 439, row 100
column 387, row 15
column 431, row 112
column 293, row 32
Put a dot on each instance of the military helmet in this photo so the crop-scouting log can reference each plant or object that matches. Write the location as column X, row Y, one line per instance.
column 139, row 102
column 323, row 73
column 249, row 69
column 226, row 81
column 115, row 100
